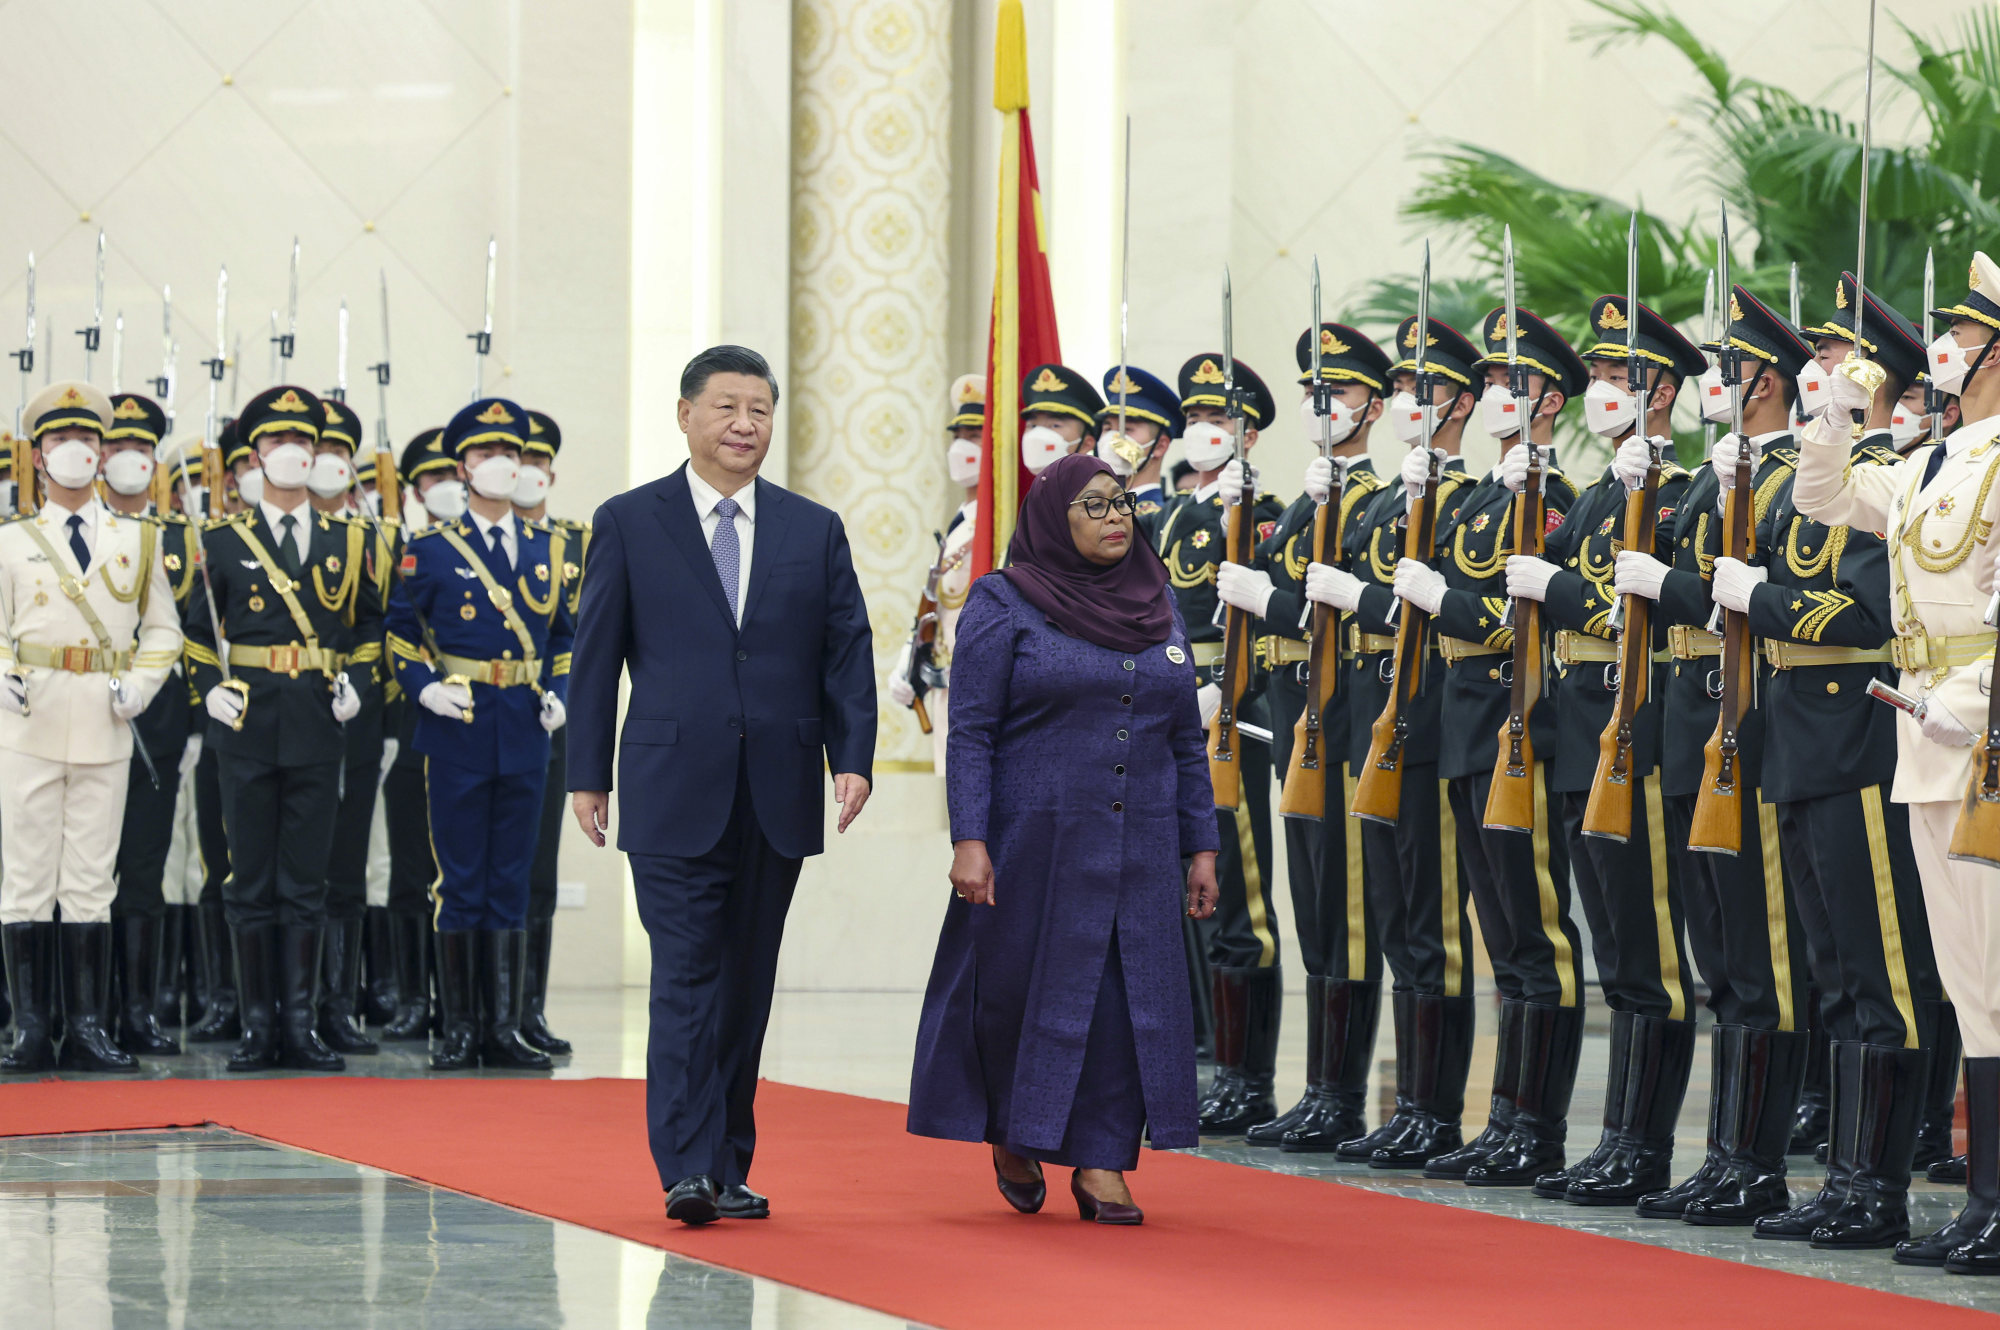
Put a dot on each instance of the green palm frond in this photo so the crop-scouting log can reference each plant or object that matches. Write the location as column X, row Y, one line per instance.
column 1635, row 22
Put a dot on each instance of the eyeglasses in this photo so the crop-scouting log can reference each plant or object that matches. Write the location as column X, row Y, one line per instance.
column 1096, row 506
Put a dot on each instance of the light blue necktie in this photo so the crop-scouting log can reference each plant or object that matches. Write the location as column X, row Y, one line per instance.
column 727, row 551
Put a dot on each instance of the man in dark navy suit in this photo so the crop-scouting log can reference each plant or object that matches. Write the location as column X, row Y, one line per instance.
column 734, row 606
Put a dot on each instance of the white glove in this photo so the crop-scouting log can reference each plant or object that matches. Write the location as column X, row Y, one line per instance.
column 1230, row 483
column 1843, row 395
column 126, row 704
column 224, row 703
column 1417, row 473
column 1638, row 574
column 554, row 713
column 1528, row 577
column 1734, row 581
column 346, row 702
column 1319, row 479
column 901, row 691
column 14, row 693
column 450, row 700
column 1208, row 698
column 391, row 746
column 1420, row 584
column 191, row 755
column 1513, row 468
column 1243, row 588
column 1723, row 458
column 1333, row 586
column 1631, row 461
column 1941, row 727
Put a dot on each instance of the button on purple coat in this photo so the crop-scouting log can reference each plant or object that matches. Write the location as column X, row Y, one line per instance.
column 1085, row 772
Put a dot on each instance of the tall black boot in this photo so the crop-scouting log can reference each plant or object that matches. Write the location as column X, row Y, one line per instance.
column 1940, row 1085
column 86, row 984
column 535, row 1029
column 1441, row 1030
column 138, row 948
column 340, row 975
column 1246, row 1044
column 379, row 993
column 1796, row 1224
column 1876, row 1212
column 1554, row 1186
column 6, row 1003
column 169, row 984
column 502, row 962
column 413, row 951
column 1551, row 1043
column 458, row 1009
column 1360, row 1150
column 1641, row 1161
column 1227, row 1021
column 30, row 951
column 219, row 1021
column 253, row 997
column 299, row 947
column 1814, row 1121
column 1500, row 1106
column 1317, row 1089
column 1752, row 1188
column 1348, row 1022
column 1726, row 1045
column 1973, row 1232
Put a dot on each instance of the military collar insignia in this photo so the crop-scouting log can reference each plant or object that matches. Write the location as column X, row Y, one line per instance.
column 1207, row 372
column 1045, row 382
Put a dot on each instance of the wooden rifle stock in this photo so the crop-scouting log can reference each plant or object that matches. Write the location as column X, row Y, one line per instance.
column 1718, row 808
column 1510, row 801
column 1378, row 792
column 1225, row 771
column 1304, row 790
column 1976, row 837
column 1609, row 811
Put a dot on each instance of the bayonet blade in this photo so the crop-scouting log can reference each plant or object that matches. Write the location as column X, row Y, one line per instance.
column 1322, row 392
column 290, row 344
column 1867, row 160
column 1798, row 304
column 1228, row 342
column 1423, row 385
column 118, row 353
column 1124, row 278
column 482, row 341
column 340, row 356
column 93, row 336
column 1634, row 373
column 1933, row 399
column 1507, row 297
column 277, row 347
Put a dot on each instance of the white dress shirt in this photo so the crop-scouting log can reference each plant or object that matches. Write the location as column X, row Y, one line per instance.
column 508, row 539
column 59, row 518
column 706, row 496
column 301, row 530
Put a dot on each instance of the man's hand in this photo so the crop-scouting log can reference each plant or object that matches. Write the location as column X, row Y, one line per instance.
column 971, row 872
column 1420, row 584
column 346, row 702
column 1848, row 391
column 1513, row 468
column 593, row 813
column 450, row 700
column 1208, row 701
column 1230, row 483
column 1319, row 479
column 1328, row 585
column 852, row 792
column 554, row 713
column 1734, row 581
column 1201, row 888
column 223, row 702
column 1416, row 472
column 125, row 703
column 1632, row 460
column 901, row 691
column 1528, row 577
column 1941, row 727
column 1637, row 573
column 1247, row 589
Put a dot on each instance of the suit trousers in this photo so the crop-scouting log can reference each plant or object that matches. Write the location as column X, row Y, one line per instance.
column 412, row 865
column 144, row 839
column 56, row 846
column 1419, row 857
column 1631, row 895
column 715, row 922
column 1520, row 886
column 548, row 840
column 181, row 881
column 1963, row 901
column 280, row 823
column 1758, row 944
column 483, row 834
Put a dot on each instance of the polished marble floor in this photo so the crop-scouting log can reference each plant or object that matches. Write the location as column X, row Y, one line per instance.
column 211, row 1229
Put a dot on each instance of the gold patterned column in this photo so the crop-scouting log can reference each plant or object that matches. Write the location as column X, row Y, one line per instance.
column 871, row 184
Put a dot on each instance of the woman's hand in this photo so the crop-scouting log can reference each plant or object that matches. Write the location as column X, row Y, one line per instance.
column 1201, row 888
column 972, row 873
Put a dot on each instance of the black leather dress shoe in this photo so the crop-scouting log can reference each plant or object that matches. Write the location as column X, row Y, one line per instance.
column 737, row 1201
column 693, row 1201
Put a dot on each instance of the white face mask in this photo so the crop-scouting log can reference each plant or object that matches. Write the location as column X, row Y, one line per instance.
column 445, row 500
column 532, row 489
column 128, row 471
column 1499, row 413
column 71, row 464
column 961, row 462
column 1949, row 363
column 495, row 477
column 1718, row 405
column 1406, row 418
column 250, row 486
column 288, row 465
column 1608, row 409
column 1108, row 444
column 1815, row 390
column 1344, row 420
column 331, row 474
column 1207, row 446
column 1905, row 424
column 1040, row 446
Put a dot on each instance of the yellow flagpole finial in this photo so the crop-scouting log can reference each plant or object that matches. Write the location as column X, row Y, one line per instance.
column 1010, row 59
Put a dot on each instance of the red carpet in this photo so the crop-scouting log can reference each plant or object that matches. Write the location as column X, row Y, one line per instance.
column 871, row 1215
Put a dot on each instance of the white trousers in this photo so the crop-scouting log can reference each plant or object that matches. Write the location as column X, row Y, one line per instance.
column 1963, row 901
column 182, row 883
column 59, row 829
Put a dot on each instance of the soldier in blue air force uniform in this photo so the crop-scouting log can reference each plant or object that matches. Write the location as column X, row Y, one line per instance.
column 479, row 631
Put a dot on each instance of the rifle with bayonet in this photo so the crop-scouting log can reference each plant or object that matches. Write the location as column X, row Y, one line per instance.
column 25, row 357
column 212, row 474
column 1510, row 802
column 388, row 481
column 482, row 341
column 93, row 336
column 1225, row 743
column 923, row 634
column 1304, row 790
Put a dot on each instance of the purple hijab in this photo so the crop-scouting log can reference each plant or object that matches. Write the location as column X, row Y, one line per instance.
column 1123, row 605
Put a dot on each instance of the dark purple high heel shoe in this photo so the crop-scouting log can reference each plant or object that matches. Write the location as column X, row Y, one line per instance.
column 1093, row 1211
column 1027, row 1197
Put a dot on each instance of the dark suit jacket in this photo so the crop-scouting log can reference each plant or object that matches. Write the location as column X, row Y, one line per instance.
column 794, row 687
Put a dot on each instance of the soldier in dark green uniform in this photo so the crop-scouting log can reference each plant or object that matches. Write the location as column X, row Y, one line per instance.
column 1152, row 421
column 1342, row 926
column 1519, row 882
column 1741, row 916
column 1630, row 889
column 1245, row 985
column 1059, row 411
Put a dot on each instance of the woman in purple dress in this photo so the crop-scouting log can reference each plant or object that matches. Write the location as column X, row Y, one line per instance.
column 1057, row 1023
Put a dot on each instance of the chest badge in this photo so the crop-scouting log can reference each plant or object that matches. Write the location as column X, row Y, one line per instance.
column 41, row 598
column 541, row 572
column 1604, row 527
column 333, row 563
column 256, row 604
column 1199, row 539
column 124, row 561
column 1481, row 522
column 1945, row 505
column 173, row 562
column 1176, row 655
column 467, row 612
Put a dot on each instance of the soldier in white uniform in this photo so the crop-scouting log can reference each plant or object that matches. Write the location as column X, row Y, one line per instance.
column 91, row 632
column 1938, row 507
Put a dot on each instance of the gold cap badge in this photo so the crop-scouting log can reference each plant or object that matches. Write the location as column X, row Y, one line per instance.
column 1840, row 295
column 70, row 397
column 1499, row 333
column 129, row 409
column 1612, row 317
column 1123, row 384
column 495, row 414
column 1735, row 310
column 1208, row 372
column 1329, row 345
column 289, row 401
column 1410, row 337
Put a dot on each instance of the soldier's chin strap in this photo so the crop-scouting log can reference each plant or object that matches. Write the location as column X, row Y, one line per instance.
column 1978, row 364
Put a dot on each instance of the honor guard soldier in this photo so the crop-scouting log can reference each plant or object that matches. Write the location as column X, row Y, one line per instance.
column 1629, row 886
column 1245, row 984
column 479, row 631
column 1519, row 880
column 531, row 504
column 379, row 998
column 1741, row 915
column 1058, row 415
column 1417, row 854
column 189, row 968
column 1937, row 508
column 303, row 626
column 90, row 636
column 1152, row 421
column 429, row 473
column 1341, row 930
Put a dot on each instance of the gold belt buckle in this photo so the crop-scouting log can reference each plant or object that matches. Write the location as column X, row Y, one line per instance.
column 283, row 658
column 76, row 659
column 497, row 671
